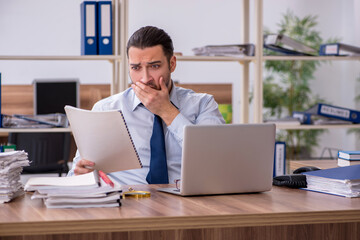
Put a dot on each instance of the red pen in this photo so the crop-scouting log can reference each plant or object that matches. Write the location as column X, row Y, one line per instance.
column 106, row 178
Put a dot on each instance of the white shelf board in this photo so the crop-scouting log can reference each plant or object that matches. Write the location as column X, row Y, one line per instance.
column 34, row 130
column 214, row 59
column 312, row 58
column 84, row 57
column 306, row 127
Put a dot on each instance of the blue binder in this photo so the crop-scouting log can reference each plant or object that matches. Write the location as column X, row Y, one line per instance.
column 338, row 49
column 88, row 28
column 304, row 117
column 279, row 159
column 0, row 104
column 331, row 111
column 349, row 173
column 105, row 36
column 341, row 181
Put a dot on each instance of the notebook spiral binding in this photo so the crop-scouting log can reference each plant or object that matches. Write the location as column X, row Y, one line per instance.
column 132, row 142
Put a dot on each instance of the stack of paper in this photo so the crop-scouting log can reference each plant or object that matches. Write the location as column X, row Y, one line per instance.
column 226, row 50
column 87, row 190
column 285, row 121
column 342, row 181
column 11, row 165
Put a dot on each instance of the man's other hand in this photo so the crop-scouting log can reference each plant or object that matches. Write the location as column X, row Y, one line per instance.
column 84, row 166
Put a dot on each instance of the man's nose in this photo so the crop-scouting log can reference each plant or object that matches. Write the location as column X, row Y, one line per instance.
column 145, row 76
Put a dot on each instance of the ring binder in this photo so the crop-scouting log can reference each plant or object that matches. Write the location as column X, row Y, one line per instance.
column 104, row 37
column 338, row 49
column 88, row 28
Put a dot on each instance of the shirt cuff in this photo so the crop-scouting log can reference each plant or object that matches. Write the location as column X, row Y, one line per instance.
column 75, row 160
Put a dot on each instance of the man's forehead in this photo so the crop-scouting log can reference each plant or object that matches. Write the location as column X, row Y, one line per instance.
column 147, row 50
column 148, row 55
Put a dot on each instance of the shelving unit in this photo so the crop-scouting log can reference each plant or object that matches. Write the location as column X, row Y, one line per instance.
column 316, row 58
column 260, row 58
column 33, row 130
column 310, row 58
column 46, row 58
column 240, row 95
column 240, row 92
column 215, row 59
column 240, row 101
column 307, row 127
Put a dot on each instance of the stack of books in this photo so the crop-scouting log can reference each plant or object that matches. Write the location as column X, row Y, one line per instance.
column 11, row 166
column 82, row 191
column 348, row 158
column 342, row 181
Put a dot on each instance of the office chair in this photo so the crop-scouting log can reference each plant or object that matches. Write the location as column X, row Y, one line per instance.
column 47, row 152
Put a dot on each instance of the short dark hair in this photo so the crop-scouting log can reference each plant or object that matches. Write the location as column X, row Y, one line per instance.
column 150, row 36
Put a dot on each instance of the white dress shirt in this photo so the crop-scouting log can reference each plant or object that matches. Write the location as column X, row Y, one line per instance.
column 195, row 108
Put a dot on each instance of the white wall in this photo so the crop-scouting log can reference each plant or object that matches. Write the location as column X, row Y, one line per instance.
column 27, row 28
column 45, row 27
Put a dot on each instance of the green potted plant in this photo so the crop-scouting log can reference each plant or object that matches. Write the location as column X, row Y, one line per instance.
column 286, row 85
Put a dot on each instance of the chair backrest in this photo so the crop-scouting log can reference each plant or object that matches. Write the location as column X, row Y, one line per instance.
column 47, row 152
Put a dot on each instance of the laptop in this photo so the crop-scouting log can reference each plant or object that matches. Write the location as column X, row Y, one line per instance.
column 224, row 159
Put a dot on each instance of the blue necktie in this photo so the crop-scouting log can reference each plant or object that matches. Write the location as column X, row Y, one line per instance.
column 158, row 173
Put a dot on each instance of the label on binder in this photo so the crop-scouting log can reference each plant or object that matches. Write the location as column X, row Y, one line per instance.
column 331, row 49
column 335, row 111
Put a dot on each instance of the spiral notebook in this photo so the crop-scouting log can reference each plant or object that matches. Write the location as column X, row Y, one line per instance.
column 103, row 137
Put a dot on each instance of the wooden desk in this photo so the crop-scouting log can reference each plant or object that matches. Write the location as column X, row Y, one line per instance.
column 279, row 214
column 4, row 132
column 323, row 164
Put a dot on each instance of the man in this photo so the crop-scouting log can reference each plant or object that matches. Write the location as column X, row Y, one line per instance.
column 154, row 96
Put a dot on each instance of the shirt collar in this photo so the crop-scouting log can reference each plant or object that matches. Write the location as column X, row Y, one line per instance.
column 136, row 101
column 173, row 98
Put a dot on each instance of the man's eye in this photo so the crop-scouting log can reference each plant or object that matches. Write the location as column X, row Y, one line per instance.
column 155, row 66
column 135, row 67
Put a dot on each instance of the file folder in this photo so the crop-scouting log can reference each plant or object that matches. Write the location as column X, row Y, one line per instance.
column 286, row 45
column 105, row 36
column 1, row 124
column 279, row 159
column 88, row 28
